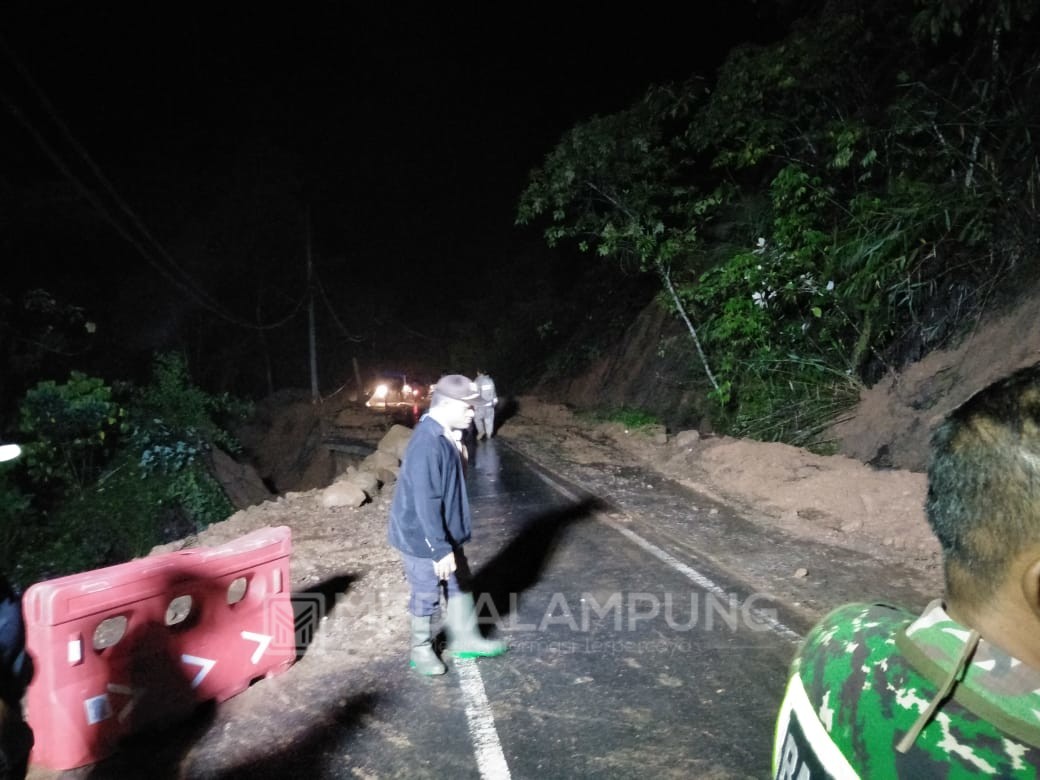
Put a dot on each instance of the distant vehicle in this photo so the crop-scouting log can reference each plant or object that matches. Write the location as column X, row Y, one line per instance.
column 393, row 390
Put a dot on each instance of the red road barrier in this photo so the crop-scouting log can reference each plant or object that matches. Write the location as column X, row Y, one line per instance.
column 140, row 644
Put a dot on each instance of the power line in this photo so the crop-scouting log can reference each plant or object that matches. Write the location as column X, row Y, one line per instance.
column 153, row 255
column 328, row 304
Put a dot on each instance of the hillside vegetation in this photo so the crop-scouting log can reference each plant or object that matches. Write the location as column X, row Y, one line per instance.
column 820, row 212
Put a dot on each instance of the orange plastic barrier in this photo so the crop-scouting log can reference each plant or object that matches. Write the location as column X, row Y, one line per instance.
column 140, row 644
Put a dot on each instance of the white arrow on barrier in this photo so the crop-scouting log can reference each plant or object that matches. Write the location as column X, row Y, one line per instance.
column 262, row 641
column 204, row 664
column 126, row 690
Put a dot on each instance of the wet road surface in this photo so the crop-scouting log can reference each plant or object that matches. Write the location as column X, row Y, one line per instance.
column 626, row 660
column 650, row 629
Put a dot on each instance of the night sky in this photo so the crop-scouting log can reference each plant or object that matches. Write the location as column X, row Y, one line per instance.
column 405, row 130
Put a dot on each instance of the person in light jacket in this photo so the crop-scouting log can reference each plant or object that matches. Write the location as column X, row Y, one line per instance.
column 484, row 407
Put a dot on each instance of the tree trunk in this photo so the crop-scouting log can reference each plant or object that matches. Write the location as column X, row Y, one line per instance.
column 667, row 279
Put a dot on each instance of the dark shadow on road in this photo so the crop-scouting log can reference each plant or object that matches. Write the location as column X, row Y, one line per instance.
column 154, row 753
column 308, row 755
column 520, row 564
column 164, row 755
column 312, row 604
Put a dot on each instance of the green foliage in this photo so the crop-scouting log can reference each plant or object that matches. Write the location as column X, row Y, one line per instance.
column 897, row 145
column 793, row 401
column 615, row 185
column 111, row 481
column 121, row 517
column 632, row 419
column 783, row 103
column 164, row 451
column 195, row 492
column 114, row 521
column 937, row 18
column 171, row 404
column 70, row 430
column 16, row 516
column 774, row 300
column 175, row 425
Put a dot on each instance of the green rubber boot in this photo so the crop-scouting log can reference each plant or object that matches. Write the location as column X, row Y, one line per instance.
column 464, row 637
column 424, row 658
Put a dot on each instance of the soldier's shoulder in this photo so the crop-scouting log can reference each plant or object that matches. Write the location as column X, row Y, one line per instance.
column 859, row 611
column 859, row 621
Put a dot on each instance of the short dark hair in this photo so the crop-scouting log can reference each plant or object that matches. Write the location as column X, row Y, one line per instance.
column 984, row 484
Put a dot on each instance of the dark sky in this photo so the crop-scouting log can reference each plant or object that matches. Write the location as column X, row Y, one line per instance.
column 407, row 129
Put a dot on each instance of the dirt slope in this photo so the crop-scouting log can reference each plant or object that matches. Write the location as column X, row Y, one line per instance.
column 895, row 417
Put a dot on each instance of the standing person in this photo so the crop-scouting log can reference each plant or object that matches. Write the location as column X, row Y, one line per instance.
column 876, row 691
column 16, row 738
column 430, row 521
column 16, row 671
column 484, row 417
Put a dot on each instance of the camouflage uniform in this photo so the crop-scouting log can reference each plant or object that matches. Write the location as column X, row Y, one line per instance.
column 866, row 673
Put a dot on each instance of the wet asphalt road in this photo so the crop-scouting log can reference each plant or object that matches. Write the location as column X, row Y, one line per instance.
column 651, row 631
column 628, row 659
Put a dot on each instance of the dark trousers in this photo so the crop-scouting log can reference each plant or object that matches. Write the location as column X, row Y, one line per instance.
column 425, row 586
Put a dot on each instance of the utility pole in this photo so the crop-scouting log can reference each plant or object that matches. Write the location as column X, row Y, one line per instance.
column 315, row 395
column 357, row 378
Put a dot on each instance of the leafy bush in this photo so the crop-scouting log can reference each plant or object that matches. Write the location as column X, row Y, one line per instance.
column 114, row 480
column 630, row 418
column 70, row 432
column 16, row 516
column 170, row 403
column 794, row 401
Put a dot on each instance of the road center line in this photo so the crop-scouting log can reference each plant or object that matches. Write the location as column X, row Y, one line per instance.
column 687, row 571
column 491, row 761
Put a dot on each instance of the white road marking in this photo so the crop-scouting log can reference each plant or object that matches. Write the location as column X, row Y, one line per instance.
column 687, row 571
column 491, row 761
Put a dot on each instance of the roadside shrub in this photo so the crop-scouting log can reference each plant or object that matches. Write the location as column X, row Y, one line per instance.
column 629, row 417
column 795, row 401
column 70, row 431
column 113, row 479
column 16, row 516
column 170, row 405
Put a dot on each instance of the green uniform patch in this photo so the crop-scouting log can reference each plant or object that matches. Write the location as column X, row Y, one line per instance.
column 868, row 671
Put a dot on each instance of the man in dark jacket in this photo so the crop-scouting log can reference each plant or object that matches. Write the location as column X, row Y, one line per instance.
column 430, row 521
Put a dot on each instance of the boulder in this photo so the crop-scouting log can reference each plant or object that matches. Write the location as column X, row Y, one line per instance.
column 366, row 480
column 395, row 441
column 241, row 482
column 343, row 493
column 685, row 439
column 380, row 459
